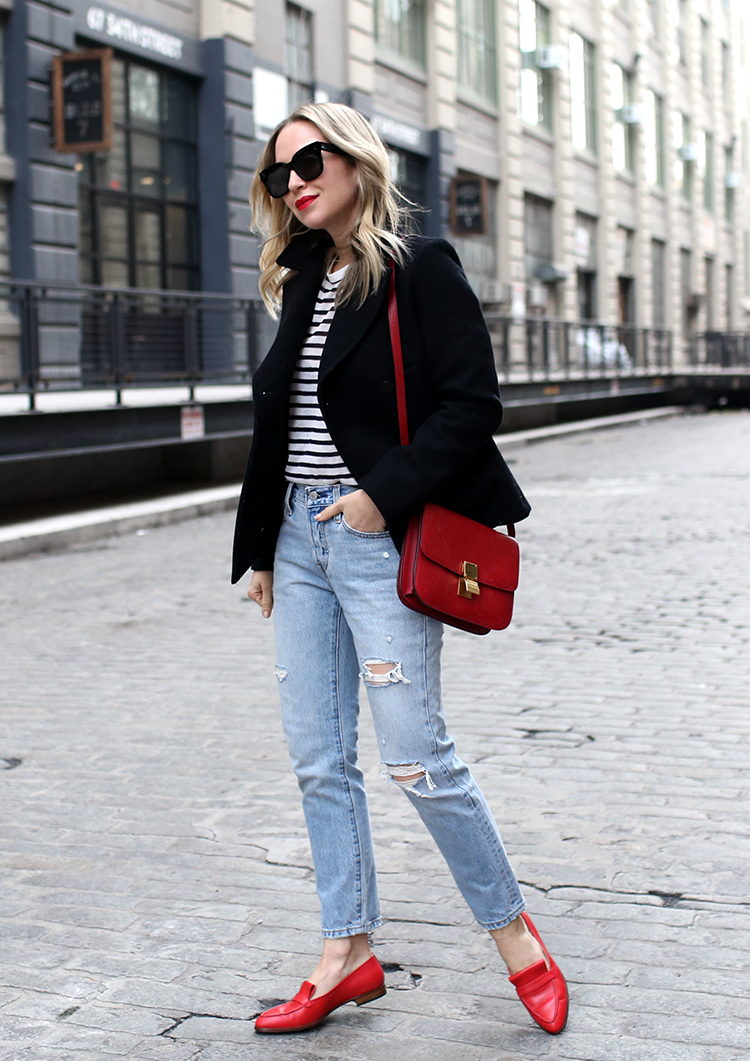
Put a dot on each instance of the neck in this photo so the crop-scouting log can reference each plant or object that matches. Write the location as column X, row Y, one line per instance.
column 344, row 255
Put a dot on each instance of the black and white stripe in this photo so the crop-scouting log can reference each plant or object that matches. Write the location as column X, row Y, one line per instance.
column 313, row 459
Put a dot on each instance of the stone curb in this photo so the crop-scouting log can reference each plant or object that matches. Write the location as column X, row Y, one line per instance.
column 60, row 532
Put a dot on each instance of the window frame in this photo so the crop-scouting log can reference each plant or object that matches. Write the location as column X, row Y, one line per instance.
column 477, row 37
column 406, row 36
column 535, row 83
column 583, row 96
column 95, row 196
column 299, row 54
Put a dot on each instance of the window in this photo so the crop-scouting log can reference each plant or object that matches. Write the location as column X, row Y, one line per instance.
column 654, row 15
column 705, row 54
column 583, row 93
column 710, row 301
column 477, row 60
column 400, row 28
column 538, row 229
column 683, row 164
column 706, row 163
column 730, row 183
column 658, row 282
column 478, row 253
column 586, row 265
column 299, row 56
column 682, row 32
column 726, row 76
column 729, row 296
column 654, row 138
column 138, row 213
column 408, row 173
column 686, row 272
column 536, row 81
column 623, row 131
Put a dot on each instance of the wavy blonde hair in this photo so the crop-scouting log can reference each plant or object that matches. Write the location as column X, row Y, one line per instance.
column 384, row 212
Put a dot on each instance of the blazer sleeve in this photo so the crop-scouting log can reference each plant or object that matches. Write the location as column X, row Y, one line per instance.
column 435, row 293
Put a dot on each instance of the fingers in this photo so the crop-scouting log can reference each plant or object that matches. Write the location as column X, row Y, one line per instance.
column 260, row 590
column 359, row 511
column 331, row 511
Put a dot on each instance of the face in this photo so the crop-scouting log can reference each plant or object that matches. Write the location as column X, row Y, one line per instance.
column 328, row 202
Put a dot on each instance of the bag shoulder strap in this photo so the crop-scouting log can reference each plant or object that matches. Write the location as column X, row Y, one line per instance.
column 398, row 366
column 398, row 357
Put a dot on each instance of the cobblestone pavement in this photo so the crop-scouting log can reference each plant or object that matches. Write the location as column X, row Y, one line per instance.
column 156, row 883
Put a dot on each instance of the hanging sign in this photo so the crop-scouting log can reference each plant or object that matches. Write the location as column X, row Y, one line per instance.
column 82, row 96
column 469, row 206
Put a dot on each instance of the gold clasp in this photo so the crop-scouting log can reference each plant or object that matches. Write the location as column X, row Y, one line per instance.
column 468, row 584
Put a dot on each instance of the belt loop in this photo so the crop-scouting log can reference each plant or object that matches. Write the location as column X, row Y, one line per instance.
column 288, row 498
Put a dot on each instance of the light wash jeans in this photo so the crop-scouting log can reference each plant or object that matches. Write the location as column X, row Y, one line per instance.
column 336, row 614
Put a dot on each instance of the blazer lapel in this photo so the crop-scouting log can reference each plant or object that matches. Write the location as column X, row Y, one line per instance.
column 300, row 294
column 349, row 326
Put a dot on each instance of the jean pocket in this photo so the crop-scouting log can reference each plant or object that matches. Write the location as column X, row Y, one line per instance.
column 363, row 534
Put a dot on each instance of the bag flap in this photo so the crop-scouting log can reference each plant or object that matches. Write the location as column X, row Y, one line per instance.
column 448, row 539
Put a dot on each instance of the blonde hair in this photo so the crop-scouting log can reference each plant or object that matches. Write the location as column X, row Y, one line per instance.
column 384, row 212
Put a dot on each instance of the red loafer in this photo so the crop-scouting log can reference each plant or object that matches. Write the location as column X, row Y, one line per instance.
column 543, row 990
column 306, row 1009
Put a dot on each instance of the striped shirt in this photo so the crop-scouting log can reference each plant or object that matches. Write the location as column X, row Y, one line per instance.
column 313, row 458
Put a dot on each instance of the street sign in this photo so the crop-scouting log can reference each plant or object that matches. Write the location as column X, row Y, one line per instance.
column 82, row 95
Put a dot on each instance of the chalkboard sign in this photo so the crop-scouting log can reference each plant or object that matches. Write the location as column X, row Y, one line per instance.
column 469, row 206
column 82, row 93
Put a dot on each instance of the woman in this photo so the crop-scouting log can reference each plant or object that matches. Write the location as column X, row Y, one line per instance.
column 326, row 498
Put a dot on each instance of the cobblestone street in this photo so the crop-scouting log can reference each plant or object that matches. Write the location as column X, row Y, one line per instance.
column 157, row 890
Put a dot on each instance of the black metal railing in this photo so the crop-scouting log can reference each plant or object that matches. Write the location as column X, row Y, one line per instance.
column 79, row 336
column 539, row 348
column 93, row 337
column 723, row 350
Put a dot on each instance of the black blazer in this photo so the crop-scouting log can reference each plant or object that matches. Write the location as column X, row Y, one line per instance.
column 452, row 397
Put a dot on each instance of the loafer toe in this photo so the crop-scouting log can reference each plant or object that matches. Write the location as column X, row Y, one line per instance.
column 306, row 1009
column 542, row 989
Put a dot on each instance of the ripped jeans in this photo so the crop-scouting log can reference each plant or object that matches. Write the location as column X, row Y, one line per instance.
column 337, row 618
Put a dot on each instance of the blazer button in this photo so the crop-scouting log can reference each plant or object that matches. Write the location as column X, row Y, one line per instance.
column 387, row 387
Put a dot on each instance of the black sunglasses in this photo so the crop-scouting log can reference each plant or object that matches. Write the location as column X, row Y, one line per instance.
column 306, row 163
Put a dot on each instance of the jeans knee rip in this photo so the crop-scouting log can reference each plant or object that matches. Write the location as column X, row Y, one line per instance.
column 391, row 676
column 280, row 672
column 407, row 776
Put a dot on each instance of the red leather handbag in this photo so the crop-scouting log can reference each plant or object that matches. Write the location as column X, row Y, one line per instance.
column 452, row 568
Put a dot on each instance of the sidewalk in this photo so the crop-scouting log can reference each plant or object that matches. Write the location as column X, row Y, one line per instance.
column 156, row 882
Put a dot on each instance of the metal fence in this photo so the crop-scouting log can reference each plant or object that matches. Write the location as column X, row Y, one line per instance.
column 79, row 336
column 94, row 337
column 541, row 348
column 714, row 350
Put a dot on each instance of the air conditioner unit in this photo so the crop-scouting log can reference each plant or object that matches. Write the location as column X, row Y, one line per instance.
column 630, row 114
column 688, row 152
column 733, row 179
column 549, row 273
column 550, row 58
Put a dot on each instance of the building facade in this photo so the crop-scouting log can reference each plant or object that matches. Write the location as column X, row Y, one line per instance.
column 589, row 158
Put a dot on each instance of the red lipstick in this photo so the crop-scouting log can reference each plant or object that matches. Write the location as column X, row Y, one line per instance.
column 305, row 200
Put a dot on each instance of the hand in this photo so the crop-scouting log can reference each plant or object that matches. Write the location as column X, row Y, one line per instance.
column 359, row 511
column 261, row 591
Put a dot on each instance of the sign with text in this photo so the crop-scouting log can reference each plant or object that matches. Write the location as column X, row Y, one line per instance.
column 82, row 95
column 469, row 206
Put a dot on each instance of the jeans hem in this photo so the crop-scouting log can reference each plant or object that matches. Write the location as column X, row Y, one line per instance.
column 355, row 930
column 491, row 926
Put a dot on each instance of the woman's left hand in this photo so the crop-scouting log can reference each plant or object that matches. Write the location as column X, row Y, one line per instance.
column 359, row 510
